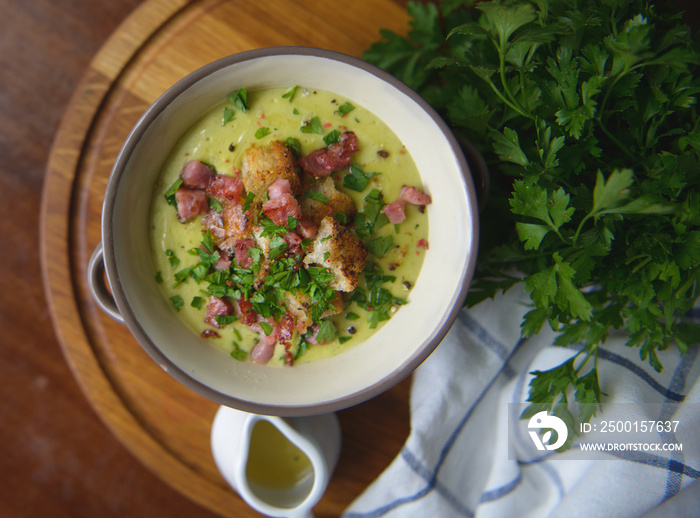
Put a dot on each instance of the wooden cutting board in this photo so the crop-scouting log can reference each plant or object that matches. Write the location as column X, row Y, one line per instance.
column 162, row 423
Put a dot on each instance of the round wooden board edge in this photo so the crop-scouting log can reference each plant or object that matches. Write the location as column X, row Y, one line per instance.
column 55, row 256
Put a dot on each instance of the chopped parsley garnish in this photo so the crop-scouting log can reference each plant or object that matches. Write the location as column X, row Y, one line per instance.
column 172, row 258
column 371, row 218
column 277, row 246
column 270, row 228
column 159, row 277
column 197, row 302
column 332, row 137
column 228, row 116
column 380, row 245
column 294, row 144
column 170, row 193
column 312, row 126
column 224, row 320
column 345, row 108
column 326, row 332
column 289, row 94
column 301, row 348
column 239, row 98
column 214, row 204
column 177, row 302
column 267, row 328
column 377, row 300
column 262, row 132
column 237, row 353
column 248, row 201
column 357, row 179
column 317, row 196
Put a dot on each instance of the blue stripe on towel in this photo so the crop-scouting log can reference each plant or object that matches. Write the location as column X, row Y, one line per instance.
column 605, row 354
column 431, row 475
column 674, row 481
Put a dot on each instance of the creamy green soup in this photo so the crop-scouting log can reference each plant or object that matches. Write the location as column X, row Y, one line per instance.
column 221, row 139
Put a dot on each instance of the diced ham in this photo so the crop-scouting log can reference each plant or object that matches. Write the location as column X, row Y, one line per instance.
column 317, row 163
column 196, row 175
column 395, row 211
column 324, row 161
column 414, row 196
column 245, row 312
column 224, row 262
column 294, row 241
column 264, row 349
column 341, row 152
column 240, row 248
column 279, row 187
column 280, row 208
column 306, row 228
column 190, row 203
column 217, row 306
column 226, row 187
column 292, row 238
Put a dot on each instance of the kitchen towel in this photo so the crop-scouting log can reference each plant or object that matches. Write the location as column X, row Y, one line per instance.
column 464, row 457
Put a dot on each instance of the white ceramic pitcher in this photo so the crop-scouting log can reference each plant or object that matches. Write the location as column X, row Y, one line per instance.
column 279, row 466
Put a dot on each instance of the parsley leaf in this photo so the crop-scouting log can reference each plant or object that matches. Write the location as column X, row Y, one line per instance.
column 312, row 126
column 317, row 196
column 228, row 116
column 239, row 98
column 262, row 132
column 331, row 137
column 170, row 193
column 357, row 179
column 289, row 94
column 345, row 108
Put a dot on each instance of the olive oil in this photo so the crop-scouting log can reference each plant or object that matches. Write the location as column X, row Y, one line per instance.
column 273, row 461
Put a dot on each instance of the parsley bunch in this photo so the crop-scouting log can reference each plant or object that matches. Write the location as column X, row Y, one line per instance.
column 586, row 113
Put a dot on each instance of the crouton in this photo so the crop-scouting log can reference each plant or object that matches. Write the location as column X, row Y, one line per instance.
column 316, row 210
column 339, row 250
column 262, row 165
column 263, row 243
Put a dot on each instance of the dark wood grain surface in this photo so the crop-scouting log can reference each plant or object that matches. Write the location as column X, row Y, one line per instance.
column 58, row 458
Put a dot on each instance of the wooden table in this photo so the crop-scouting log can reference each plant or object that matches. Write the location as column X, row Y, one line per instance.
column 69, row 448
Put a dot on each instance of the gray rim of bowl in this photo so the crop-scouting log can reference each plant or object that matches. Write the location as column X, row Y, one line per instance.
column 152, row 349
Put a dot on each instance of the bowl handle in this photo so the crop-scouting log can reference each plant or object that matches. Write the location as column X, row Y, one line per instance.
column 98, row 285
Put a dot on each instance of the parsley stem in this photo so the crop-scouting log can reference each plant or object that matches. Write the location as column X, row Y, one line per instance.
column 506, row 101
column 513, row 103
column 580, row 226
column 592, row 351
column 615, row 141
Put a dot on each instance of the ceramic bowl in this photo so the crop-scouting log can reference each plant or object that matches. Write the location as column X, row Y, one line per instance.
column 367, row 368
